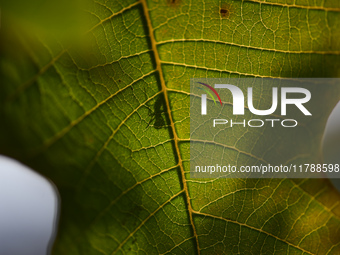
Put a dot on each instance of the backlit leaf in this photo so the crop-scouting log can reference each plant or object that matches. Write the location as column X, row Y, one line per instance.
column 106, row 117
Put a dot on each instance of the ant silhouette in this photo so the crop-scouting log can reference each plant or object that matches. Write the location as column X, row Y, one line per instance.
column 157, row 114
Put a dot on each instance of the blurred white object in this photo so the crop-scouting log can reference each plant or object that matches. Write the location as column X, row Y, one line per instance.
column 28, row 210
column 331, row 143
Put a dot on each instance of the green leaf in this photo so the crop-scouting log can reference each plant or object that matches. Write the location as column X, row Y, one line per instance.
column 106, row 117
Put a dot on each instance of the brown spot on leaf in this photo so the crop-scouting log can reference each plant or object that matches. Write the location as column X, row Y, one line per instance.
column 225, row 11
column 173, row 3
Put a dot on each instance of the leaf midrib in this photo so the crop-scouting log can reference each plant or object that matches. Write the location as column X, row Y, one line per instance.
column 172, row 123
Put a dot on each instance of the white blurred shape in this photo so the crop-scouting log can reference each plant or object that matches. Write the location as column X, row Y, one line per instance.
column 28, row 210
column 331, row 143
